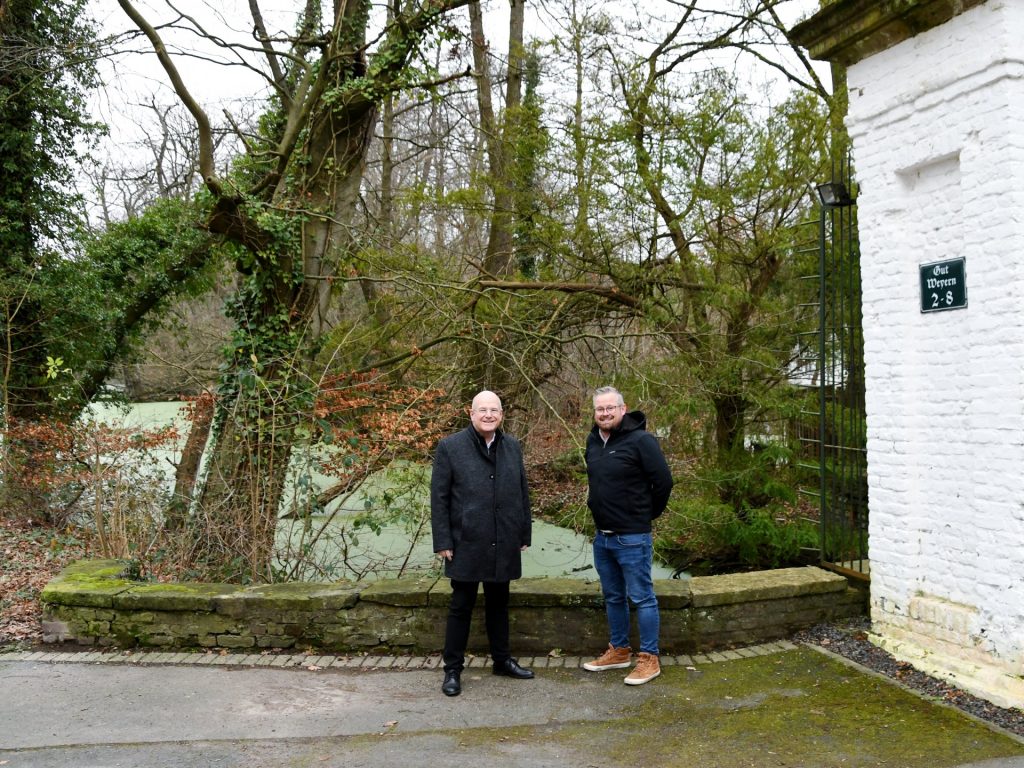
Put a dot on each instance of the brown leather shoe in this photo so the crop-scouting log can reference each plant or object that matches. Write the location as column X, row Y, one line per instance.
column 613, row 658
column 648, row 667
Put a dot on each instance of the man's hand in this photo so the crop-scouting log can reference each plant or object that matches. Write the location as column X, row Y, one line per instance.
column 445, row 554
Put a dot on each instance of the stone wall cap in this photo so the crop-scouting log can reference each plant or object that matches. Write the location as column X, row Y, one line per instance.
column 173, row 596
column 291, row 596
column 87, row 583
column 400, row 592
column 86, row 593
column 763, row 585
column 545, row 592
column 673, row 594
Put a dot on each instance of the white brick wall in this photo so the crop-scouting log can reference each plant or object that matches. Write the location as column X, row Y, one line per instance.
column 937, row 124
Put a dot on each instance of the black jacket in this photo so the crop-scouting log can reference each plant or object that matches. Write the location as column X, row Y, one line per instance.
column 480, row 506
column 630, row 481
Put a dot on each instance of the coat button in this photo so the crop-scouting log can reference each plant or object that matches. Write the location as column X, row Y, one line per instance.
column 492, row 477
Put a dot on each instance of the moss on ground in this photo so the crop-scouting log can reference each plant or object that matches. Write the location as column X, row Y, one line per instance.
column 794, row 709
column 788, row 709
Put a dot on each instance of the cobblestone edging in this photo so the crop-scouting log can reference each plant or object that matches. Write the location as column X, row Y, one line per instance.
column 365, row 662
column 92, row 603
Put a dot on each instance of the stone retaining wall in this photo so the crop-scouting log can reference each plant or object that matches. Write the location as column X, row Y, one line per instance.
column 92, row 603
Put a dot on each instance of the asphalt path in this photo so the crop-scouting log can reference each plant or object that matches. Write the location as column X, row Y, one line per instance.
column 101, row 715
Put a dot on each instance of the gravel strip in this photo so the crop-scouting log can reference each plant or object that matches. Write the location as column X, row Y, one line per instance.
column 849, row 639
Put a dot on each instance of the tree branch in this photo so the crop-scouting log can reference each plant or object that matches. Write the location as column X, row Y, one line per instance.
column 206, row 159
column 260, row 30
column 611, row 294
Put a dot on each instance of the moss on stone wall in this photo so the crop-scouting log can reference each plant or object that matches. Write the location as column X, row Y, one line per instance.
column 92, row 603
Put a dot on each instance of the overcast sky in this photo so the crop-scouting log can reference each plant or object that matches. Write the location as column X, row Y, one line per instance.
column 135, row 79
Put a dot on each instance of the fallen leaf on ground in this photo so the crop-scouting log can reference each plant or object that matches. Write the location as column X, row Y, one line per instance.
column 32, row 555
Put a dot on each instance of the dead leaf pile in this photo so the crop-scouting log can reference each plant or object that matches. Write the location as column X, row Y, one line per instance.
column 30, row 555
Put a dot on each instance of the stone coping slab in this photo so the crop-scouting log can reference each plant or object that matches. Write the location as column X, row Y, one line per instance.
column 283, row 597
column 763, row 585
column 185, row 596
column 88, row 583
column 551, row 592
column 401, row 592
column 100, row 584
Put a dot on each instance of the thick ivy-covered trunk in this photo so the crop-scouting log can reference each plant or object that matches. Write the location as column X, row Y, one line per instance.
column 21, row 106
column 269, row 389
column 41, row 114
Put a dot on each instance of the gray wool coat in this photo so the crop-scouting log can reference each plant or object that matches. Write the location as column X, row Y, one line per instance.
column 480, row 506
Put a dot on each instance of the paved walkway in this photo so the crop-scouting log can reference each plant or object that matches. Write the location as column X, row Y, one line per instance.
column 364, row 662
column 767, row 706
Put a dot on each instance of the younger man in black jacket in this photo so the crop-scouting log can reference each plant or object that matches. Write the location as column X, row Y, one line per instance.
column 630, row 483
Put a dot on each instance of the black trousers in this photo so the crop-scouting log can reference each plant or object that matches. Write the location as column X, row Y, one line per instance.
column 460, row 612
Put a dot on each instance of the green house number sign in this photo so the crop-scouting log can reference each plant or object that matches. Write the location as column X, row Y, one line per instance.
column 943, row 285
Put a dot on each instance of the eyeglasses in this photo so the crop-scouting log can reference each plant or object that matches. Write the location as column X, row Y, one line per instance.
column 607, row 409
column 488, row 411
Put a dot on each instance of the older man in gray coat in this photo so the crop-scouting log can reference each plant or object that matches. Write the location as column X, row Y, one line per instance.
column 480, row 514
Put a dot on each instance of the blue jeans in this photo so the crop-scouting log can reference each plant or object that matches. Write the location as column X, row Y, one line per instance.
column 623, row 561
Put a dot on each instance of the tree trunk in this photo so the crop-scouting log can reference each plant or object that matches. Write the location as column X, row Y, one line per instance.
column 487, row 366
column 26, row 394
column 187, row 471
column 385, row 228
column 498, row 259
column 270, row 392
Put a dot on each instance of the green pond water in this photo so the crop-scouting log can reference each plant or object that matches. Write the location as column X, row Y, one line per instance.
column 339, row 543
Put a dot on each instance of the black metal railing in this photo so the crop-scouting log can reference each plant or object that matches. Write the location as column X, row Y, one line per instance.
column 839, row 449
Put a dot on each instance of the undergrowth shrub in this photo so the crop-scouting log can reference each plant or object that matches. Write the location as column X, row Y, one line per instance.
column 105, row 479
column 702, row 536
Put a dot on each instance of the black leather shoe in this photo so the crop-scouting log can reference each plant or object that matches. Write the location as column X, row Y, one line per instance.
column 452, row 685
column 511, row 668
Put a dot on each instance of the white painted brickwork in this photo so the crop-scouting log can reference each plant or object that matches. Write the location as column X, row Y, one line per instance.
column 937, row 124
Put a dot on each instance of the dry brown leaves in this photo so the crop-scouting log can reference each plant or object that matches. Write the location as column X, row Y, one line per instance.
column 30, row 555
